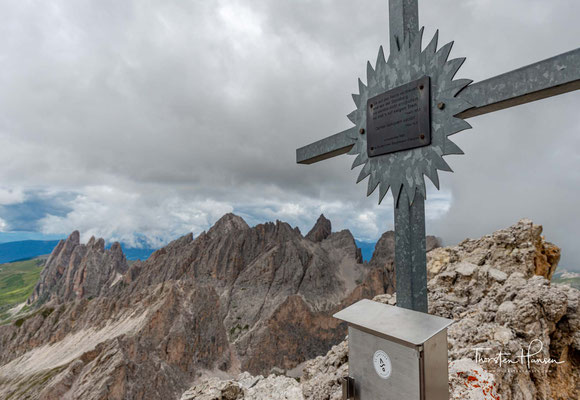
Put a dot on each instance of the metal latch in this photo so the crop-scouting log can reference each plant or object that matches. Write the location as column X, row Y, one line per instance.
column 347, row 388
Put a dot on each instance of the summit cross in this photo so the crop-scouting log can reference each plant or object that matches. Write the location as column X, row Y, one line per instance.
column 543, row 79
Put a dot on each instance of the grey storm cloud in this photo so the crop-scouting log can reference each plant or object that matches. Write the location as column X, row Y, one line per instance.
column 161, row 115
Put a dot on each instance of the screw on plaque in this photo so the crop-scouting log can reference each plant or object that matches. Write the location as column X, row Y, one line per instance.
column 422, row 136
column 361, row 131
column 421, row 87
column 441, row 106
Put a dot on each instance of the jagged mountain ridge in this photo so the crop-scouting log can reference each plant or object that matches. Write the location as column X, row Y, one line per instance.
column 234, row 298
column 74, row 270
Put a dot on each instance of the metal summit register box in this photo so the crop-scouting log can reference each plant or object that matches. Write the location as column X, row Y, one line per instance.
column 395, row 353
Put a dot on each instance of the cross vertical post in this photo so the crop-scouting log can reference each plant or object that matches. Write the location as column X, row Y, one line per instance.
column 410, row 255
column 403, row 21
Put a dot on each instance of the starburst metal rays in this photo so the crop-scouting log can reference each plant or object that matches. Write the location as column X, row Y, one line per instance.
column 407, row 170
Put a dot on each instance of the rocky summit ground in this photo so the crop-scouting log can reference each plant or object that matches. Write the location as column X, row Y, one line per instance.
column 498, row 291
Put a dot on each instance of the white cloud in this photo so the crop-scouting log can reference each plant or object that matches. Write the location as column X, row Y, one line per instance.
column 10, row 196
column 117, row 215
column 156, row 218
column 3, row 225
column 368, row 222
column 240, row 19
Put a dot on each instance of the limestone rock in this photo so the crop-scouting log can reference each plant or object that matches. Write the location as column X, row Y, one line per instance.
column 321, row 230
column 226, row 225
column 74, row 270
column 465, row 269
column 384, row 252
column 384, row 255
column 246, row 387
column 519, row 248
column 321, row 377
column 490, row 287
column 390, row 299
column 512, row 317
column 469, row 381
column 116, row 348
column 290, row 336
column 497, row 275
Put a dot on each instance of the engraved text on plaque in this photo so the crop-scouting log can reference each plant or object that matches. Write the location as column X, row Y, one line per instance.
column 399, row 119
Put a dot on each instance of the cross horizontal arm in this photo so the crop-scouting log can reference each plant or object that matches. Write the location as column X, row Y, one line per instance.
column 329, row 147
column 547, row 78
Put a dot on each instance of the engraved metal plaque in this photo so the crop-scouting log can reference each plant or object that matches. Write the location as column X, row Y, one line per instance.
column 399, row 119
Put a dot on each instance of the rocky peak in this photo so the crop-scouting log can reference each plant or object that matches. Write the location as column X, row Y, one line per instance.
column 384, row 253
column 519, row 248
column 432, row 242
column 65, row 247
column 227, row 224
column 116, row 248
column 95, row 243
column 74, row 270
column 321, row 230
column 74, row 238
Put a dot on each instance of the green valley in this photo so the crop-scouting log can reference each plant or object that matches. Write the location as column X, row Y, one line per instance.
column 17, row 280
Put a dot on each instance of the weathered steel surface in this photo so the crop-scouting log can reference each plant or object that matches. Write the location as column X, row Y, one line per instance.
column 400, row 118
column 404, row 382
column 403, row 22
column 409, row 241
column 412, row 328
column 396, row 354
column 547, row 78
column 329, row 147
column 406, row 170
column 410, row 253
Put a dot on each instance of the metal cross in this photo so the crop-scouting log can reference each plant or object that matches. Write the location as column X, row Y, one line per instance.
column 547, row 78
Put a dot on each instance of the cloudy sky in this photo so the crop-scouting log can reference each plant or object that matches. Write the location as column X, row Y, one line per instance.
column 143, row 120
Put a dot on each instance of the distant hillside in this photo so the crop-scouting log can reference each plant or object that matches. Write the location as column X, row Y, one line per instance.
column 136, row 254
column 367, row 249
column 27, row 249
column 22, row 250
column 17, row 281
column 567, row 277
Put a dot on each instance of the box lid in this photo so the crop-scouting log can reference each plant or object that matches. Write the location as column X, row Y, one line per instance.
column 400, row 324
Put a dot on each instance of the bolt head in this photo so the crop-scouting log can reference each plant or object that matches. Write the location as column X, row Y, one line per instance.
column 441, row 106
column 422, row 137
column 361, row 131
